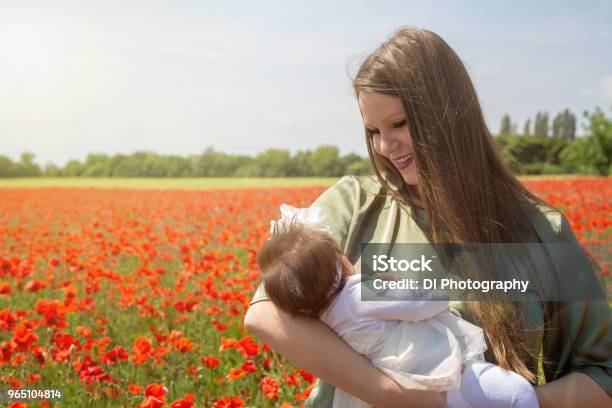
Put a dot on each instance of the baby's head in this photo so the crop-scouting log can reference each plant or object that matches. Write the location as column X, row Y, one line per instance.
column 302, row 269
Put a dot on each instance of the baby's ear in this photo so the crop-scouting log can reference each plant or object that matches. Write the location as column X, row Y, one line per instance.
column 348, row 266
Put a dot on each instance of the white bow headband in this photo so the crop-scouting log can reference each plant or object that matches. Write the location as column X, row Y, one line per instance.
column 311, row 216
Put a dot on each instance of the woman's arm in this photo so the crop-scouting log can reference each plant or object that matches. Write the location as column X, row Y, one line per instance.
column 313, row 346
column 575, row 390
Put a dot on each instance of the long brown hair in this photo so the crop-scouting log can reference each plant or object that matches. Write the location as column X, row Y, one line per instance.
column 470, row 195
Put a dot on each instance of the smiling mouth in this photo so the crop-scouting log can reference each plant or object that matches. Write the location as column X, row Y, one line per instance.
column 403, row 162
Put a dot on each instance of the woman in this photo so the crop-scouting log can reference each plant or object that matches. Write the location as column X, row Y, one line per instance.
column 440, row 178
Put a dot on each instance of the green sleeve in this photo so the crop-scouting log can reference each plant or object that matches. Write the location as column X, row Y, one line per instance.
column 583, row 340
column 338, row 203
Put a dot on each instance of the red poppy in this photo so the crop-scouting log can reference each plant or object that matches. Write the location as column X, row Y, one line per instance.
column 269, row 386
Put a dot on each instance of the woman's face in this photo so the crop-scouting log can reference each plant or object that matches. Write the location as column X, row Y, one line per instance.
column 385, row 117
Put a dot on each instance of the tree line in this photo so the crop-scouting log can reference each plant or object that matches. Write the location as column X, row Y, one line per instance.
column 528, row 153
column 325, row 161
column 539, row 151
column 563, row 125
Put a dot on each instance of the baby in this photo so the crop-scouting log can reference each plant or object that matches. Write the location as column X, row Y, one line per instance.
column 421, row 344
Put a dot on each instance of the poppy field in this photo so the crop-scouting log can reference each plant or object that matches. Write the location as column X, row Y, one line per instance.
column 135, row 298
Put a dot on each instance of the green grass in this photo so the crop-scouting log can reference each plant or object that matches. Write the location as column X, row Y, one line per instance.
column 204, row 183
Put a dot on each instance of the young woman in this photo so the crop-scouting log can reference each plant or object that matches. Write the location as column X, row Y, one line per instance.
column 440, row 178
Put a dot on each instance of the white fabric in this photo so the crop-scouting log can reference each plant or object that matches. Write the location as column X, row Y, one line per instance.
column 420, row 344
column 312, row 216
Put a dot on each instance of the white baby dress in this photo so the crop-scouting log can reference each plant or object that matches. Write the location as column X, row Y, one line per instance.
column 419, row 343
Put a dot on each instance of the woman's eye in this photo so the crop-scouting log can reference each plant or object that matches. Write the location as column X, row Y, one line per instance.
column 397, row 125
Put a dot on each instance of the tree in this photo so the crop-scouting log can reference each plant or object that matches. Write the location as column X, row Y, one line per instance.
column 532, row 154
column 564, row 125
column 73, row 168
column 555, row 145
column 300, row 165
column 156, row 166
column 325, row 162
column 97, row 165
column 274, row 162
column 177, row 166
column 93, row 170
column 51, row 170
column 558, row 124
column 8, row 168
column 585, row 156
column 527, row 127
column 225, row 165
column 569, row 128
column 248, row 170
column 349, row 159
column 363, row 167
column 591, row 154
column 202, row 163
column 506, row 125
column 541, row 124
column 27, row 167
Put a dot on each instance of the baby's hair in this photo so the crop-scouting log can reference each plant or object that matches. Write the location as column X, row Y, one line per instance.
column 299, row 266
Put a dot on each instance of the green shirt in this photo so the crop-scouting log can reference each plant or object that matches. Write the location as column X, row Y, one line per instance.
column 360, row 211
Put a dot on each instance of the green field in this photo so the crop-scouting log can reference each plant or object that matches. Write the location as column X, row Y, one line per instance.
column 183, row 183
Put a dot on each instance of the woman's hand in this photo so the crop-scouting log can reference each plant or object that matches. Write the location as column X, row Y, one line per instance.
column 572, row 391
column 313, row 346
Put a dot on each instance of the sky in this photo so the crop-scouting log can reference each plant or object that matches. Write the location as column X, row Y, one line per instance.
column 175, row 77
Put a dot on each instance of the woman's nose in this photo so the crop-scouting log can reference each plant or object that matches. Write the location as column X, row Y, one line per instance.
column 388, row 145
